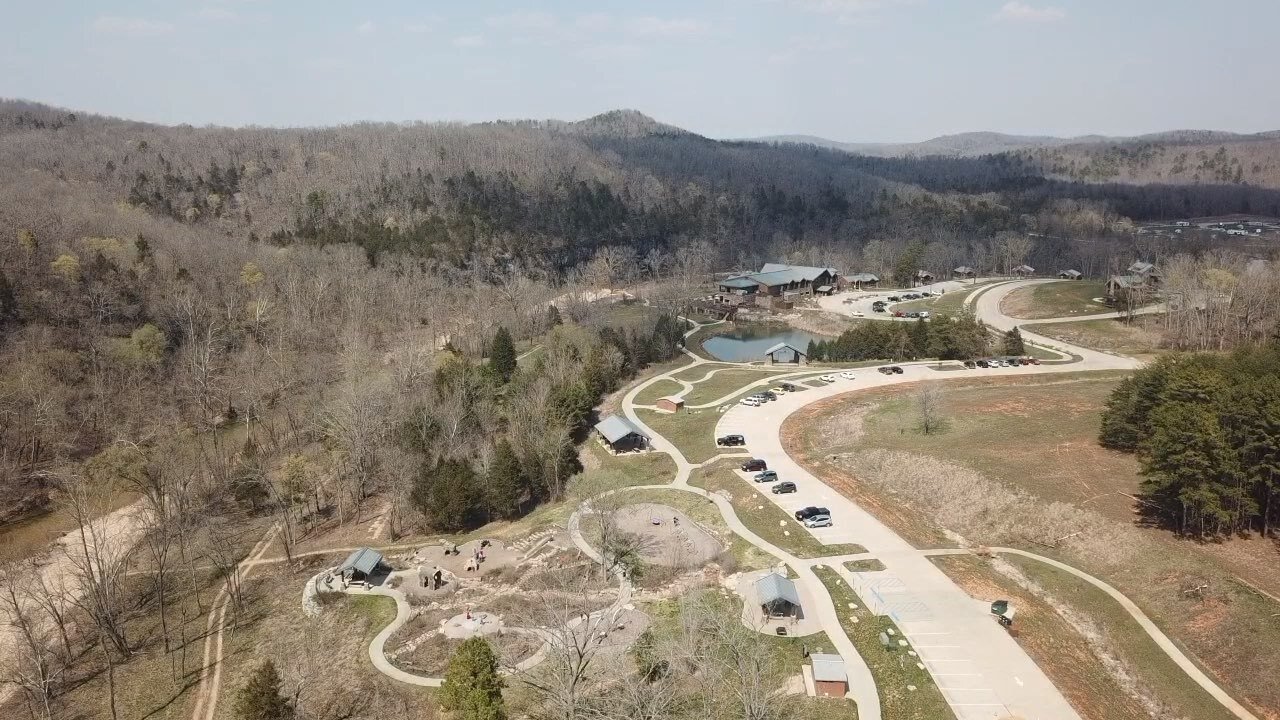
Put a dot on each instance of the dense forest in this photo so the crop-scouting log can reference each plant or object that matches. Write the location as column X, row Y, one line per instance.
column 550, row 194
column 1207, row 430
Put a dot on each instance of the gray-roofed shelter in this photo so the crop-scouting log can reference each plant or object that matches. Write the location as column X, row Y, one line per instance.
column 778, row 597
column 1070, row 275
column 964, row 271
column 360, row 564
column 862, row 280
column 621, row 434
column 797, row 356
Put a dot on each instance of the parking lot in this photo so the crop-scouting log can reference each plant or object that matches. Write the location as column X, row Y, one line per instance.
column 979, row 668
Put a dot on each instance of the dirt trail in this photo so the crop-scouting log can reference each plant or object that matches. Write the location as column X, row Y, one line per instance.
column 119, row 531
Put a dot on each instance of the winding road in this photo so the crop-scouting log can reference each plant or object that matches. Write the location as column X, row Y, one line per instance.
column 982, row 672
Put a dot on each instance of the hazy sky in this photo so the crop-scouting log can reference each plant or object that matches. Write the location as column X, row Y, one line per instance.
column 853, row 70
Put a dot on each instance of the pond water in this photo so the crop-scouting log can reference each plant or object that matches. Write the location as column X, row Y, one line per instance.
column 747, row 343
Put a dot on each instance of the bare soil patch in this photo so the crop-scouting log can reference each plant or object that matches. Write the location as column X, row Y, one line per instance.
column 672, row 538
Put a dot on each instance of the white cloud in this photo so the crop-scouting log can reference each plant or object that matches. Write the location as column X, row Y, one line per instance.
column 113, row 25
column 468, row 41
column 424, row 25
column 526, row 21
column 1014, row 11
column 849, row 12
column 210, row 12
column 664, row 27
column 366, row 28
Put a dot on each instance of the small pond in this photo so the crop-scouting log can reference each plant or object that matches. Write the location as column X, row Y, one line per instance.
column 747, row 343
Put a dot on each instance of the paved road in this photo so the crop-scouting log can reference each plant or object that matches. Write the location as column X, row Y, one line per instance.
column 981, row 670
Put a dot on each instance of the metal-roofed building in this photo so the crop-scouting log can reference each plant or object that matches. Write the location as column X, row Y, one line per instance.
column 776, row 279
column 1070, row 274
column 798, row 356
column 778, row 597
column 1024, row 270
column 621, row 434
column 862, row 280
column 829, row 676
column 360, row 564
column 964, row 271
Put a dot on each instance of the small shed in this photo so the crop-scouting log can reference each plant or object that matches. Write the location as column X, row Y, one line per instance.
column 924, row 277
column 964, row 271
column 829, row 677
column 1024, row 270
column 797, row 355
column 778, row 597
column 360, row 565
column 670, row 404
column 1070, row 275
column 621, row 435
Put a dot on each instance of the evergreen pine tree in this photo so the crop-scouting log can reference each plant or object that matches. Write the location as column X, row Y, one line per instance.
column 472, row 687
column 448, row 496
column 553, row 316
column 1013, row 344
column 920, row 338
column 260, row 698
column 502, row 355
column 508, row 488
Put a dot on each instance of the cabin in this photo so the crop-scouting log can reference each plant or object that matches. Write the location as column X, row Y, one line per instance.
column 1070, row 275
column 1023, row 270
column 924, row 277
column 964, row 271
column 778, row 280
column 829, row 677
column 621, row 435
column 1150, row 274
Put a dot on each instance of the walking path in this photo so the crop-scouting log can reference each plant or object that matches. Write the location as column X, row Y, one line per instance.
column 980, row 669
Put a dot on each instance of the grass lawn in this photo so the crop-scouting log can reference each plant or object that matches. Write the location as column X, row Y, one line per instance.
column 658, row 390
column 626, row 314
column 1056, row 299
column 1058, row 647
column 950, row 302
column 764, row 518
column 1050, row 427
column 1039, row 435
column 872, row 565
column 1141, row 337
column 1126, row 638
column 787, row 652
column 729, row 380
column 691, row 431
column 892, row 668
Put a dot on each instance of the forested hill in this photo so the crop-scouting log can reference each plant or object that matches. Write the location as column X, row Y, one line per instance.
column 551, row 193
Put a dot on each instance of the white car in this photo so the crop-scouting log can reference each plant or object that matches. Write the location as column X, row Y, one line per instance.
column 818, row 521
column 751, row 402
column 924, row 313
column 828, row 378
column 858, row 313
column 846, row 375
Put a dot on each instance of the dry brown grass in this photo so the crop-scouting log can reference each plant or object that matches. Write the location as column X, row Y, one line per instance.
column 1021, row 467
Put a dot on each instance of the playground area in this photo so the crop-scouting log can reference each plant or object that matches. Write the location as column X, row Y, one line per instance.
column 670, row 538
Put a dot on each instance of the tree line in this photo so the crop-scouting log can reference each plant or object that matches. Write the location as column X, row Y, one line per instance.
column 945, row 336
column 1206, row 428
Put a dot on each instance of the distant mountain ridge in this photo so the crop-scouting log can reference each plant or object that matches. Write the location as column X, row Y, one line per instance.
column 971, row 144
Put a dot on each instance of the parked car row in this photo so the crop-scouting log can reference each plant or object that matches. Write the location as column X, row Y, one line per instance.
column 1002, row 362
column 890, row 370
column 912, row 315
column 759, row 398
column 846, row 375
